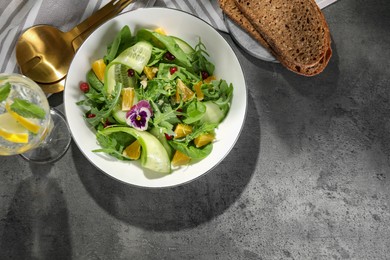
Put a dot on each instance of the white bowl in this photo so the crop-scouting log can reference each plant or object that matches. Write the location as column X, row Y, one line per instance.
column 189, row 28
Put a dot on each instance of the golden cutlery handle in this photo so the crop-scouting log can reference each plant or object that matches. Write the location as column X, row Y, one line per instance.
column 80, row 32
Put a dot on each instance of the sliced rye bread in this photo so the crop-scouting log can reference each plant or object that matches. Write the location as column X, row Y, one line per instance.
column 230, row 8
column 296, row 30
column 313, row 70
column 308, row 71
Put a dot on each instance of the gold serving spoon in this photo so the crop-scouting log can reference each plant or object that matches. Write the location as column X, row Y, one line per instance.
column 44, row 53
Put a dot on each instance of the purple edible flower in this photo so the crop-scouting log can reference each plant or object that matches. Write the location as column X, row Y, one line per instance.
column 139, row 115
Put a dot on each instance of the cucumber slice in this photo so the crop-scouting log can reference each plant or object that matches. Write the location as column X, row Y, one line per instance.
column 119, row 115
column 154, row 156
column 161, row 137
column 109, row 79
column 213, row 115
column 135, row 57
column 121, row 75
column 183, row 45
column 117, row 73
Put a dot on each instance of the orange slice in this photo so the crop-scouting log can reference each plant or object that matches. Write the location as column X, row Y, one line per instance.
column 183, row 92
column 203, row 139
column 127, row 98
column 99, row 68
column 133, row 151
column 150, row 72
column 198, row 90
column 180, row 159
column 209, row 79
column 182, row 130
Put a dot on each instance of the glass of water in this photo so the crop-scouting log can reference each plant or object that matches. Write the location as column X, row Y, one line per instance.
column 28, row 126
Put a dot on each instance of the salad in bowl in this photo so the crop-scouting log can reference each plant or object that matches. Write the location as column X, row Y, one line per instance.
column 154, row 105
column 154, row 98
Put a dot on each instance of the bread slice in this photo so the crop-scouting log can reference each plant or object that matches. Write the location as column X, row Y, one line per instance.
column 308, row 70
column 230, row 8
column 313, row 69
column 296, row 30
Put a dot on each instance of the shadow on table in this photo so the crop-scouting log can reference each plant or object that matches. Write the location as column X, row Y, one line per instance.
column 318, row 87
column 36, row 226
column 184, row 206
column 293, row 103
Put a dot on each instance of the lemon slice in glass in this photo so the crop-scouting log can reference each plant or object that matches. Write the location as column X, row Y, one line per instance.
column 30, row 124
column 11, row 130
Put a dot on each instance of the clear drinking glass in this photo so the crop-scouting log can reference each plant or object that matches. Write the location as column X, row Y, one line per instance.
column 28, row 126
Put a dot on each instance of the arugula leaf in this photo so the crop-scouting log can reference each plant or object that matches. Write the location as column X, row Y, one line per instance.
column 110, row 146
column 157, row 55
column 199, row 61
column 27, row 109
column 165, row 119
column 220, row 92
column 225, row 97
column 92, row 100
column 155, row 89
column 4, row 91
column 182, row 73
column 105, row 112
column 192, row 151
column 96, row 98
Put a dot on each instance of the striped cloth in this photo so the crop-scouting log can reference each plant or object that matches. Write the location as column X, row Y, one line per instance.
column 18, row 15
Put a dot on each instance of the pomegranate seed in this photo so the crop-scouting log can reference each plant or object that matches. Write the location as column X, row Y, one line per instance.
column 91, row 115
column 172, row 70
column 204, row 74
column 169, row 56
column 107, row 123
column 130, row 72
column 179, row 110
column 84, row 87
column 168, row 137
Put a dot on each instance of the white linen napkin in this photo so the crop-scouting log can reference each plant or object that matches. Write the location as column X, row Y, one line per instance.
column 18, row 15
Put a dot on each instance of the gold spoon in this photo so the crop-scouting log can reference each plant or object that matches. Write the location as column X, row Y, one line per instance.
column 44, row 53
column 53, row 87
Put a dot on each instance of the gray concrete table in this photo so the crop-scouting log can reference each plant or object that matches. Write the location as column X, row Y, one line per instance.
column 308, row 178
